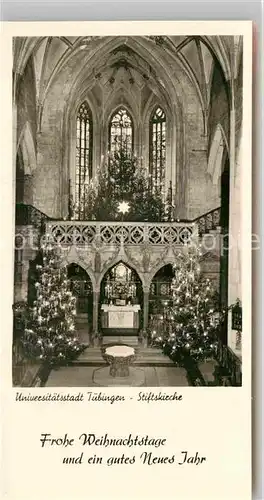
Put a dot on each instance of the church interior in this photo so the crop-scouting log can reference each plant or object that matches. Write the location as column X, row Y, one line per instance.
column 125, row 150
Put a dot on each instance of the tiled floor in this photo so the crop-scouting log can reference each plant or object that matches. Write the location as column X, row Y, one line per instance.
column 82, row 376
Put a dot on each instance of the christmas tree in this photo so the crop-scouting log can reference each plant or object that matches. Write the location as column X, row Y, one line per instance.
column 194, row 317
column 169, row 212
column 121, row 178
column 50, row 331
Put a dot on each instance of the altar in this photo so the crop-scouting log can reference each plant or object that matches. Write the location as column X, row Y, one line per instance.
column 123, row 317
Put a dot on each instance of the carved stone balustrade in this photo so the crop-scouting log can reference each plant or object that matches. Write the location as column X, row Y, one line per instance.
column 209, row 221
column 97, row 246
column 109, row 233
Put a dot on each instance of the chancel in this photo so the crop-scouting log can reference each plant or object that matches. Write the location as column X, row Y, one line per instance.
column 128, row 169
column 121, row 301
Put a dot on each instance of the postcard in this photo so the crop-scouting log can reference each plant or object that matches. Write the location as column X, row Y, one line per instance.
column 126, row 187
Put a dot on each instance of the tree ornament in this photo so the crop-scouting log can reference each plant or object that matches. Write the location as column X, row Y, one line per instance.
column 51, row 321
column 192, row 334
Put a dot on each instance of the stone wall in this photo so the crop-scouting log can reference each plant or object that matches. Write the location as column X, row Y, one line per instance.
column 191, row 123
column 186, row 144
column 219, row 108
column 234, row 274
column 27, row 244
column 26, row 101
column 234, row 271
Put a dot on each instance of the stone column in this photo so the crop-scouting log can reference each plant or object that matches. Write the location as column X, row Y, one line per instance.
column 21, row 282
column 234, row 275
column 28, row 193
column 234, row 271
column 146, row 309
column 96, row 295
column 145, row 315
column 14, row 150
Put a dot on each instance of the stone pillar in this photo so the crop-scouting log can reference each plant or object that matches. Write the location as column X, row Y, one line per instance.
column 146, row 309
column 28, row 193
column 96, row 295
column 21, row 281
column 234, row 265
column 14, row 150
column 24, row 287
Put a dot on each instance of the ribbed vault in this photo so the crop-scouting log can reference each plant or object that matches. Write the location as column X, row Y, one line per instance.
column 195, row 55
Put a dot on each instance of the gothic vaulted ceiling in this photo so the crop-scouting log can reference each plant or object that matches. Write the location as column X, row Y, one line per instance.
column 137, row 64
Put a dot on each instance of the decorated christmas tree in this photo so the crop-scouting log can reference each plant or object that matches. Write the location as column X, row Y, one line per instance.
column 121, row 177
column 194, row 317
column 169, row 212
column 50, row 331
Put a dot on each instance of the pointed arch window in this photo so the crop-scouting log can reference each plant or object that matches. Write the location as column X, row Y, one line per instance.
column 84, row 147
column 121, row 132
column 157, row 160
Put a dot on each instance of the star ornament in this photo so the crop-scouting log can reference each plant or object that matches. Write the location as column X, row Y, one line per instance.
column 123, row 207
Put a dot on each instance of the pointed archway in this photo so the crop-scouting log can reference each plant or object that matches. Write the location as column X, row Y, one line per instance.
column 82, row 289
column 160, row 289
column 160, row 298
column 121, row 301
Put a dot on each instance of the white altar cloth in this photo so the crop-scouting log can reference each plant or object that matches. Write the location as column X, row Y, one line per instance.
column 120, row 316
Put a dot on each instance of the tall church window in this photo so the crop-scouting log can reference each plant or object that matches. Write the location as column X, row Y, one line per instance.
column 121, row 132
column 157, row 149
column 84, row 145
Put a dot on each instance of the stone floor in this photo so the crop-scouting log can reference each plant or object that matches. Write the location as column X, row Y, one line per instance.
column 151, row 369
column 83, row 376
column 83, row 335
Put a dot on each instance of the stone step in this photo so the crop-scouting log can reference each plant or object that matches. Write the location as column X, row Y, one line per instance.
column 145, row 357
column 81, row 319
column 123, row 332
column 141, row 351
column 154, row 361
column 150, row 350
column 94, row 352
column 119, row 339
column 207, row 370
column 141, row 355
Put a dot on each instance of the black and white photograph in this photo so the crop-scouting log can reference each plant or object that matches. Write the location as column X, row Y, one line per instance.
column 127, row 205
